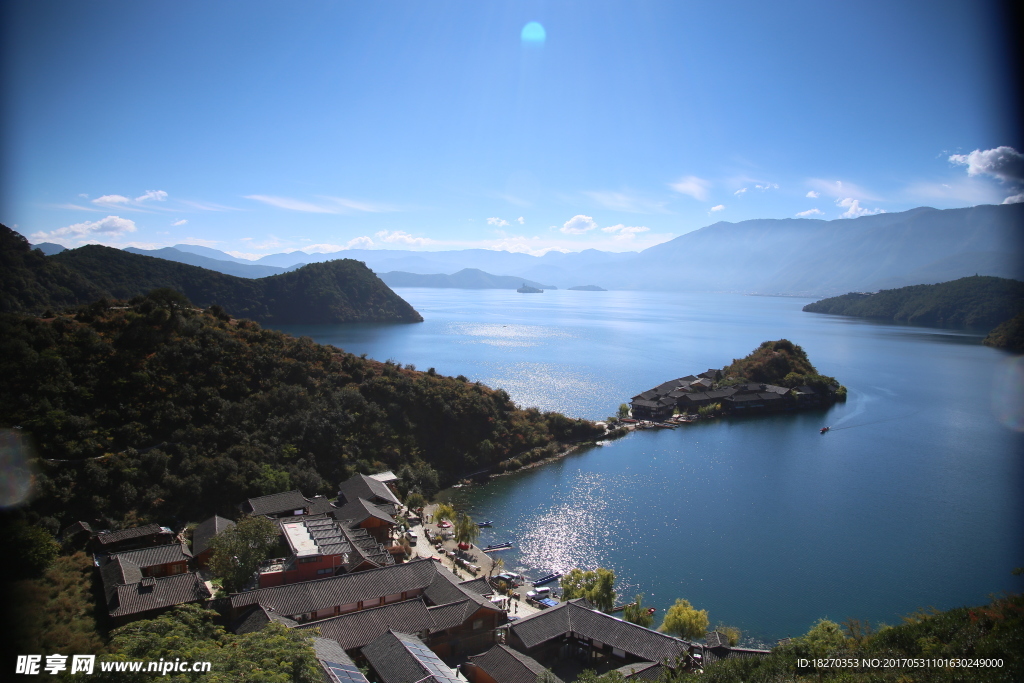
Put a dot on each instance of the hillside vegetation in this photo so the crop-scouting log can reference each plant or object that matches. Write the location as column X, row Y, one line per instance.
column 333, row 292
column 155, row 410
column 781, row 363
column 1009, row 335
column 967, row 302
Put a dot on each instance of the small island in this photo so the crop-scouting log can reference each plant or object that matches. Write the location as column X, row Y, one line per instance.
column 588, row 288
column 776, row 377
column 527, row 289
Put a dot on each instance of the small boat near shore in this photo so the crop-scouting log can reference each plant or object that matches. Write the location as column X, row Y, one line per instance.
column 484, row 525
column 497, row 546
column 548, row 579
column 825, row 429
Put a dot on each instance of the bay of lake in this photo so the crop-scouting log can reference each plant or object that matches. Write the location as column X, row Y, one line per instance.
column 912, row 500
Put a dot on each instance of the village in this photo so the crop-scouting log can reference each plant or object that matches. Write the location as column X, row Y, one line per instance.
column 394, row 596
column 705, row 395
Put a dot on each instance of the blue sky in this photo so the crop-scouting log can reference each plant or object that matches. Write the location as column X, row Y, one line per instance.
column 262, row 127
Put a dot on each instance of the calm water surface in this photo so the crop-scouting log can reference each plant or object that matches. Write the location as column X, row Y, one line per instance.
column 912, row 500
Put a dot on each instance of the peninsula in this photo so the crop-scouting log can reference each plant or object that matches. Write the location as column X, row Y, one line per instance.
column 777, row 376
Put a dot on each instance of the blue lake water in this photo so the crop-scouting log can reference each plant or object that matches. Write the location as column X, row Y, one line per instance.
column 912, row 500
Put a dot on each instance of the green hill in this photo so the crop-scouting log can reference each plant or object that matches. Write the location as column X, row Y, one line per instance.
column 333, row 292
column 967, row 302
column 32, row 282
column 781, row 363
column 159, row 411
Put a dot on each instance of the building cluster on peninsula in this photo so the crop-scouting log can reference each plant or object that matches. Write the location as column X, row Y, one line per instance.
column 344, row 572
column 691, row 393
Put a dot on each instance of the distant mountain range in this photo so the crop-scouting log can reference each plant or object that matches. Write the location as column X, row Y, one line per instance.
column 789, row 256
column 334, row 292
column 467, row 278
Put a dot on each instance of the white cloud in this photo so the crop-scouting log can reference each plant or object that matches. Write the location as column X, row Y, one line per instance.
column 812, row 194
column 1015, row 199
column 740, row 191
column 402, row 237
column 112, row 199
column 810, row 212
column 111, row 225
column 839, row 189
column 183, row 221
column 158, row 195
column 624, row 232
column 621, row 201
column 335, row 204
column 767, row 186
column 854, row 209
column 497, row 221
column 693, row 186
column 360, row 243
column 1003, row 162
column 521, row 220
column 720, row 207
column 76, row 207
column 578, row 224
column 209, row 206
column 291, row 204
column 83, row 195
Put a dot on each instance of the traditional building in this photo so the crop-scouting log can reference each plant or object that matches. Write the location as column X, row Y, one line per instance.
column 127, row 539
column 130, row 595
column 502, row 664
column 202, row 536
column 397, row 657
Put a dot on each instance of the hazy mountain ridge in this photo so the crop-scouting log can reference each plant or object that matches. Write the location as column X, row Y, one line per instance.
column 221, row 266
column 794, row 256
column 467, row 278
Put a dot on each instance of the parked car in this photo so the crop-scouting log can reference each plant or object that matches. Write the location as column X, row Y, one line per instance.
column 539, row 593
column 412, row 537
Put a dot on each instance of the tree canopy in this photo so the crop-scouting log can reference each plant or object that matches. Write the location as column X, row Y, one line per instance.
column 238, row 551
column 275, row 654
column 684, row 620
column 597, row 586
column 150, row 411
column 637, row 613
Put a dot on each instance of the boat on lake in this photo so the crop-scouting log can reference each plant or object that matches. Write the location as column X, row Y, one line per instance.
column 825, row 429
column 548, row 579
column 498, row 546
column 483, row 525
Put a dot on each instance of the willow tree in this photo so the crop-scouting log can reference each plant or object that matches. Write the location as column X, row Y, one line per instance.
column 636, row 613
column 466, row 530
column 684, row 620
column 597, row 586
column 444, row 511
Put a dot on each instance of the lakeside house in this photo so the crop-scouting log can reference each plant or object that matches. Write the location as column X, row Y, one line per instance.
column 691, row 393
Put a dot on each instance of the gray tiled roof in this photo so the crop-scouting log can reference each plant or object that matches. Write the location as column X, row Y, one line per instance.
column 402, row 658
column 204, row 533
column 258, row 617
column 479, row 585
column 573, row 616
column 164, row 591
column 156, row 555
column 344, row 589
column 362, row 486
column 641, row 671
column 505, row 665
column 118, row 572
column 109, row 537
column 356, row 629
column 360, row 509
column 275, row 503
column 336, row 665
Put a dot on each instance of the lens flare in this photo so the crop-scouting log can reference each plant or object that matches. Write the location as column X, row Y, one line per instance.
column 1008, row 393
column 15, row 471
column 533, row 33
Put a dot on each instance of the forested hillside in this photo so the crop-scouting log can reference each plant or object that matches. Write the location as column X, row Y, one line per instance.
column 967, row 302
column 157, row 411
column 333, row 292
column 781, row 363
